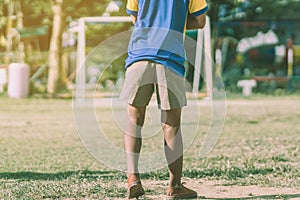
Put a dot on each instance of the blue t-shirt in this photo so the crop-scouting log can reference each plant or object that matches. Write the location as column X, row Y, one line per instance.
column 158, row 34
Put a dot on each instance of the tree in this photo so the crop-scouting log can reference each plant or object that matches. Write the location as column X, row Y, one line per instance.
column 37, row 12
column 247, row 10
column 250, row 11
column 60, row 11
column 54, row 62
column 11, row 16
column 55, row 81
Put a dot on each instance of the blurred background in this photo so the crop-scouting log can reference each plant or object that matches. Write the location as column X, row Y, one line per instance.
column 251, row 40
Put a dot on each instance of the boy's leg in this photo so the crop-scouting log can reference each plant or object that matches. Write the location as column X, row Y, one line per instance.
column 132, row 146
column 174, row 154
column 137, row 92
column 171, row 96
column 173, row 144
column 133, row 137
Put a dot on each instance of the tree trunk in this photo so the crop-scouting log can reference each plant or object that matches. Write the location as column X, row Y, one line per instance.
column 55, row 67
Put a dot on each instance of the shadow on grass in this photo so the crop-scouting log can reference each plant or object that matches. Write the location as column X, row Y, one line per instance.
column 281, row 196
column 86, row 174
column 231, row 174
column 110, row 175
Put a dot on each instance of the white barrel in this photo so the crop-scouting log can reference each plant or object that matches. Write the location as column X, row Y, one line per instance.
column 18, row 80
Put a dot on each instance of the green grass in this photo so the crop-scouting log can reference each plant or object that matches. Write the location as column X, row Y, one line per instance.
column 41, row 155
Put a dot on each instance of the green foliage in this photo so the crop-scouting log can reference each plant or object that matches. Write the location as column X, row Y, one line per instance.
column 81, row 8
column 37, row 11
column 3, row 19
column 254, row 9
column 96, row 33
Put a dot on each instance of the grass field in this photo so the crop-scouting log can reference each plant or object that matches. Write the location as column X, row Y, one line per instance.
column 256, row 157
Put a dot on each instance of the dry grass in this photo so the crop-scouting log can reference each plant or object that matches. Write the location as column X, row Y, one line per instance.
column 42, row 155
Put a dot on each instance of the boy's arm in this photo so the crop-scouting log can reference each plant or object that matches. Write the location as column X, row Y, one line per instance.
column 132, row 8
column 133, row 18
column 197, row 22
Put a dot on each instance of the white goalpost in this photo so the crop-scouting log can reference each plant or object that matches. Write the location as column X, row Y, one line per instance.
column 203, row 46
column 203, row 41
column 80, row 75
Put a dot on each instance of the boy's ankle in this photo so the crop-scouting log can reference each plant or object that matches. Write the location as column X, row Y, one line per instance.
column 133, row 175
column 175, row 183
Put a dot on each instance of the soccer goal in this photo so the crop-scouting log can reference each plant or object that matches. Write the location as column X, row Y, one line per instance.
column 202, row 58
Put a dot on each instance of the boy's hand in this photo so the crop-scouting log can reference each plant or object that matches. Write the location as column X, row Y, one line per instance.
column 196, row 22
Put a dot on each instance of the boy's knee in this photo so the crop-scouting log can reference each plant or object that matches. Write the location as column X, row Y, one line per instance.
column 137, row 120
column 171, row 118
column 137, row 115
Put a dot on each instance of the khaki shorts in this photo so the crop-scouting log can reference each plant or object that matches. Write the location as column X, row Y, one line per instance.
column 143, row 77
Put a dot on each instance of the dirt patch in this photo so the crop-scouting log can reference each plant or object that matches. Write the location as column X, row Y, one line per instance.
column 214, row 189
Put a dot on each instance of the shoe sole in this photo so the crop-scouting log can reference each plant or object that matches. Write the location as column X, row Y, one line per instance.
column 135, row 191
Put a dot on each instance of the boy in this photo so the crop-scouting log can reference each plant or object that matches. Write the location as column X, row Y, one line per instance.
column 156, row 60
